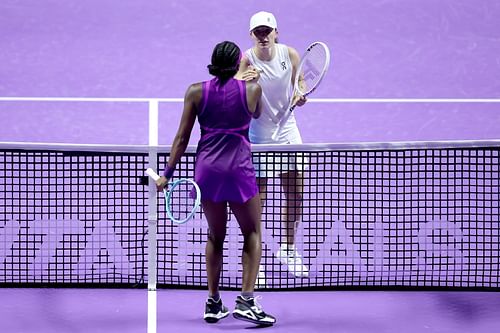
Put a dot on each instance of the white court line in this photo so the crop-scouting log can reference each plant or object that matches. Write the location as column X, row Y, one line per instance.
column 404, row 100
column 152, row 217
column 151, row 311
column 89, row 99
column 312, row 100
column 153, row 122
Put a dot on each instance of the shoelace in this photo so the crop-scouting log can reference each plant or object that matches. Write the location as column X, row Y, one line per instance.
column 256, row 303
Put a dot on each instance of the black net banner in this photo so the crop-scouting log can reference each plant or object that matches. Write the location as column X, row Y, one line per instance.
column 376, row 216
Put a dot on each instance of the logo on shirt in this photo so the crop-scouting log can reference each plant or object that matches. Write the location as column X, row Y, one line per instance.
column 283, row 65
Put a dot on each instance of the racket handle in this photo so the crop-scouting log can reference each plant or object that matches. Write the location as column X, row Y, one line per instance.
column 282, row 122
column 150, row 172
column 276, row 133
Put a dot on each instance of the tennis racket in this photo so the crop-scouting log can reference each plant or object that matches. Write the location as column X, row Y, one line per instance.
column 182, row 199
column 312, row 68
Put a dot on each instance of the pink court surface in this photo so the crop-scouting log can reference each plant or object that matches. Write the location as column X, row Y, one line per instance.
column 125, row 311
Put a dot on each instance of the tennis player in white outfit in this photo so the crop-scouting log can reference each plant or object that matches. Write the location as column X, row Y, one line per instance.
column 274, row 66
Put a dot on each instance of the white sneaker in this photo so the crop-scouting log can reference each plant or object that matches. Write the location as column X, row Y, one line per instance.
column 292, row 259
column 261, row 278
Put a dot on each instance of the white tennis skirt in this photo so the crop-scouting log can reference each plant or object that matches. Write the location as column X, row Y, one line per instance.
column 272, row 164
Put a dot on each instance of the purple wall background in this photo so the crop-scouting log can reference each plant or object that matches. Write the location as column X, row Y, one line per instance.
column 380, row 49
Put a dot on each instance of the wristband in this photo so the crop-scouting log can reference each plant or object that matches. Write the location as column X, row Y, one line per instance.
column 168, row 172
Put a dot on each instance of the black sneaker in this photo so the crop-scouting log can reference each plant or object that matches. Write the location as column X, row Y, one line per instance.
column 214, row 311
column 250, row 310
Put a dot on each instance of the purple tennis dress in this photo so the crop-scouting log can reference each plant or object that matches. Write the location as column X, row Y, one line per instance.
column 224, row 169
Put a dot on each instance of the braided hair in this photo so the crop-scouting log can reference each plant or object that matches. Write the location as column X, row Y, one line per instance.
column 225, row 60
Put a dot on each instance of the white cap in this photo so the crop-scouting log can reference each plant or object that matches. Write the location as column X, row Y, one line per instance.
column 263, row 18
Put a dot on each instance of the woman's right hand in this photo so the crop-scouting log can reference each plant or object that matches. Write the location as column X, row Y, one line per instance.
column 251, row 74
column 161, row 183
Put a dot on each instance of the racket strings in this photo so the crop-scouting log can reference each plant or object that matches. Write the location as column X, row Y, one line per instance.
column 182, row 200
column 314, row 65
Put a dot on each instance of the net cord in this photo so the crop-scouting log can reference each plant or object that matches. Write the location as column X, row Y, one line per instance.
column 340, row 146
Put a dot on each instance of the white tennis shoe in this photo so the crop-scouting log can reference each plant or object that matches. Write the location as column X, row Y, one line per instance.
column 288, row 256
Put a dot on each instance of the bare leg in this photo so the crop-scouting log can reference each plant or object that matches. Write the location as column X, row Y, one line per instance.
column 292, row 183
column 249, row 219
column 248, row 216
column 216, row 214
column 262, row 183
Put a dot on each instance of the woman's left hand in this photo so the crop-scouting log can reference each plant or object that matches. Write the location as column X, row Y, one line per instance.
column 299, row 100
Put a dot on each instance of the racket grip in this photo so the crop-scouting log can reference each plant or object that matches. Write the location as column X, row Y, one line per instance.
column 276, row 133
column 150, row 172
column 282, row 122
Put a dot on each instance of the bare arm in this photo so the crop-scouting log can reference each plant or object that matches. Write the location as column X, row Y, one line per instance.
column 254, row 93
column 181, row 140
column 247, row 72
column 295, row 59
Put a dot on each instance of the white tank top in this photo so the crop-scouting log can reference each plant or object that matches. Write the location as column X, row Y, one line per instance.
column 275, row 80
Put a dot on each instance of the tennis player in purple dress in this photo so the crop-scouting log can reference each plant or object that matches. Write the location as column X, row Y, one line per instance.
column 224, row 171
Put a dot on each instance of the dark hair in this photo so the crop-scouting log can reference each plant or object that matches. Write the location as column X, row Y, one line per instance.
column 225, row 60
